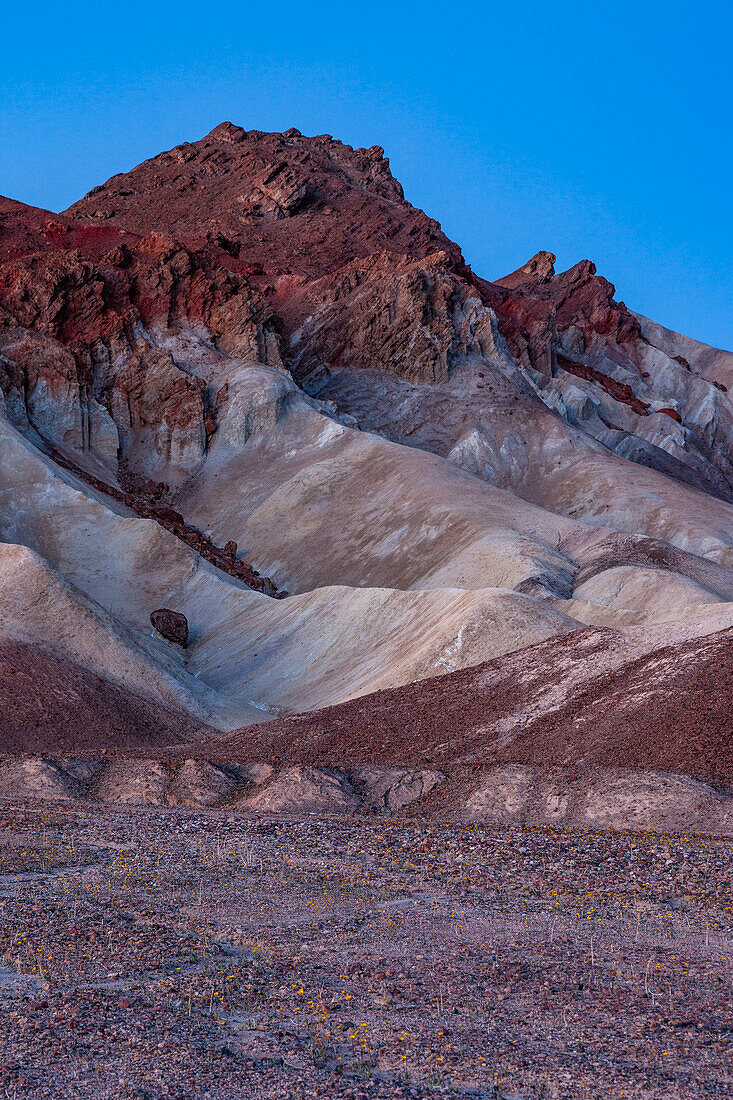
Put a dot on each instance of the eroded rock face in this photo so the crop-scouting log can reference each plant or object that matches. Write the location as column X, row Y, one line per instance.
column 110, row 344
column 387, row 790
column 306, row 790
column 173, row 625
column 160, row 414
column 251, row 402
column 610, row 798
column 359, row 279
column 309, row 239
column 138, row 782
column 278, row 193
column 199, row 783
column 539, row 310
column 415, row 318
column 85, row 320
column 35, row 777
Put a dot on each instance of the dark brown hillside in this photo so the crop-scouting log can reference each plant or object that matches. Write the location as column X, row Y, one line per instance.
column 584, row 700
column 49, row 705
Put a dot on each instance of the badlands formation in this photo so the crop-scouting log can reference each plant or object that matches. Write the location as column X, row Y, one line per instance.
column 444, row 546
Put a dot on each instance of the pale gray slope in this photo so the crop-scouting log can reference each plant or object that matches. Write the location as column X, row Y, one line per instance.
column 83, row 577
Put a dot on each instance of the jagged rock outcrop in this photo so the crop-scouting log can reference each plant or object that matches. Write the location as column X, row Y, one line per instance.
column 415, row 318
column 540, row 311
column 321, row 235
column 97, row 332
column 86, row 333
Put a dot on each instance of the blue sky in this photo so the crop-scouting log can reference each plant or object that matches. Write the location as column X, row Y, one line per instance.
column 591, row 130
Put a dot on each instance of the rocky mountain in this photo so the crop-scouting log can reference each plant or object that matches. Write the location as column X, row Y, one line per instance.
column 248, row 382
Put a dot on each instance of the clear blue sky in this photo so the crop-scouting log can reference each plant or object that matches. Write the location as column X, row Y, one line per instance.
column 590, row 129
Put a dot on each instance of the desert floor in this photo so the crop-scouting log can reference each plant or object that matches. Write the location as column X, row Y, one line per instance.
column 151, row 953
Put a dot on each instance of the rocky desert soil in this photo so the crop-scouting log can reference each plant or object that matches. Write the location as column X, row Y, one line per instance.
column 149, row 953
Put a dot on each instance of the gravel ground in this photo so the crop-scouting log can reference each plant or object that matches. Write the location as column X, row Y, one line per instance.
column 176, row 953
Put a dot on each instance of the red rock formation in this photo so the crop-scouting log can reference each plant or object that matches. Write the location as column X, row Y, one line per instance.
column 288, row 203
column 80, row 297
column 619, row 391
column 77, row 368
column 285, row 204
column 535, row 307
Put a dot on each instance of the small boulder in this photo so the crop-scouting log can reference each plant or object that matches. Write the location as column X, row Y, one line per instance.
column 172, row 625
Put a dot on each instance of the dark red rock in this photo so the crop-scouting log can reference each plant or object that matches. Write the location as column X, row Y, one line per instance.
column 173, row 625
column 535, row 306
column 620, row 391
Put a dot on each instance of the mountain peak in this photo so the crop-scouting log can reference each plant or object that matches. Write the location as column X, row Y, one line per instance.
column 288, row 203
column 538, row 269
column 227, row 131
